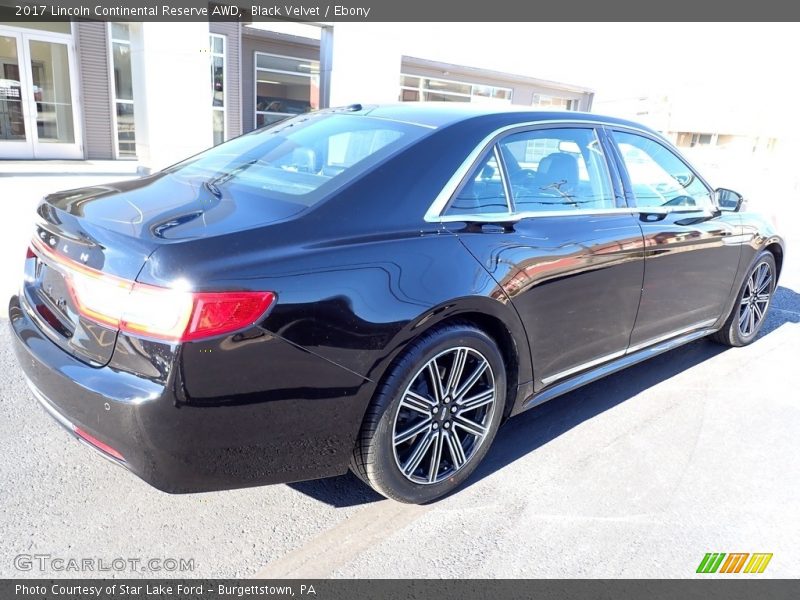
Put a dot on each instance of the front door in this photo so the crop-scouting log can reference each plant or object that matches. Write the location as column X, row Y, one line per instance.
column 691, row 248
column 37, row 97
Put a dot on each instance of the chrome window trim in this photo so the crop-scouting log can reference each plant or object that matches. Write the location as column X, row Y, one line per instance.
column 513, row 217
column 502, row 168
column 439, row 204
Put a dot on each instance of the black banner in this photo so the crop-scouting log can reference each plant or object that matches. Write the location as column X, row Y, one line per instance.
column 398, row 589
column 400, row 11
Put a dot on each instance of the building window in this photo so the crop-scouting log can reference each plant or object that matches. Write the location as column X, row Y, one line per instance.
column 218, row 113
column 700, row 139
column 554, row 102
column 285, row 86
column 123, row 89
column 414, row 88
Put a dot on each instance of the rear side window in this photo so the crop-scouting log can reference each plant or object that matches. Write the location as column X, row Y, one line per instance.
column 557, row 169
column 483, row 191
column 299, row 160
column 659, row 178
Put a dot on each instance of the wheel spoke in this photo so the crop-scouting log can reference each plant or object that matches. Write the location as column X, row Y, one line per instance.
column 744, row 318
column 469, row 426
column 436, row 457
column 456, row 449
column 763, row 275
column 418, row 403
column 477, row 400
column 752, row 322
column 412, row 431
column 762, row 298
column 435, row 380
column 419, row 452
column 472, row 379
column 759, row 312
column 456, row 370
column 750, row 286
column 764, row 285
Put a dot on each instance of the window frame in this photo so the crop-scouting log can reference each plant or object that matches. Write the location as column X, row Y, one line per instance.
column 436, row 212
column 111, row 40
column 469, row 98
column 256, row 69
column 630, row 196
column 224, row 56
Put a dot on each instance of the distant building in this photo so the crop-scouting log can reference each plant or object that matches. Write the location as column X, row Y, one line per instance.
column 161, row 91
column 689, row 122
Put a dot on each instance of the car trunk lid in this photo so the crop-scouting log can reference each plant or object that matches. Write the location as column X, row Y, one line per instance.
column 65, row 251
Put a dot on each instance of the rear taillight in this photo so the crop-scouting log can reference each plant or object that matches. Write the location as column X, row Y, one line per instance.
column 157, row 312
column 185, row 316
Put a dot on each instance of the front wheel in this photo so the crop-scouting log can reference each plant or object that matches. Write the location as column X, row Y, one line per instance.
column 435, row 416
column 752, row 303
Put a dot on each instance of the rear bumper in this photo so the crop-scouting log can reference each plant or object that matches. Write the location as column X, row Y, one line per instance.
column 178, row 445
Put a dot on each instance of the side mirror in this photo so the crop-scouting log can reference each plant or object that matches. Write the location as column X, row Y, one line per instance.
column 728, row 200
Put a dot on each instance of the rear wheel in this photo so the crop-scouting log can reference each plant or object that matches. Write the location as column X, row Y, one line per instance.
column 750, row 309
column 435, row 416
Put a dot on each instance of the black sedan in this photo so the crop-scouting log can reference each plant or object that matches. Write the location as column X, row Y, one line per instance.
column 375, row 288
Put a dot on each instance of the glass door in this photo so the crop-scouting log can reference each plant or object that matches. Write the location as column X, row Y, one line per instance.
column 37, row 97
column 15, row 141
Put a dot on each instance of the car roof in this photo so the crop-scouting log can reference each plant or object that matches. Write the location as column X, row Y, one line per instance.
column 442, row 114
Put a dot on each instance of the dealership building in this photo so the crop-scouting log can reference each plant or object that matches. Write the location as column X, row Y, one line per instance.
column 157, row 92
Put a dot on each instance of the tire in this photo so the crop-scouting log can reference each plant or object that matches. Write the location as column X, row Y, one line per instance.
column 750, row 310
column 407, row 426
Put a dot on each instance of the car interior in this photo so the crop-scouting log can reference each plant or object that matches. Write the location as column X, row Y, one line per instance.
column 544, row 174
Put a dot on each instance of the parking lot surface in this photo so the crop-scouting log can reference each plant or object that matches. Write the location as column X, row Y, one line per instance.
column 637, row 475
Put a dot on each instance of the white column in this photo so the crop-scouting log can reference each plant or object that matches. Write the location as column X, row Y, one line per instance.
column 171, row 91
column 365, row 63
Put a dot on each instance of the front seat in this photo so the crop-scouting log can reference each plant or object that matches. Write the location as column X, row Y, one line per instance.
column 558, row 174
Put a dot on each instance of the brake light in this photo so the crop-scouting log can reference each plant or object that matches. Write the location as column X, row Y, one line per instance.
column 186, row 316
column 157, row 312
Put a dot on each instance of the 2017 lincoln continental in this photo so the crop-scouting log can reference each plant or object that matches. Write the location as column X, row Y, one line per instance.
column 374, row 288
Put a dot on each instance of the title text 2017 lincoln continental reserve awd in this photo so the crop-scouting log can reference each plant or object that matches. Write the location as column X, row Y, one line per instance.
column 375, row 288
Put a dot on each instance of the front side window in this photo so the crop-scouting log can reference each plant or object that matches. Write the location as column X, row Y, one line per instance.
column 659, row 178
column 557, row 169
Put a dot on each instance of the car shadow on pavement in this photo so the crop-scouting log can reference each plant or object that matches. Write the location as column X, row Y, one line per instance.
column 536, row 427
column 785, row 308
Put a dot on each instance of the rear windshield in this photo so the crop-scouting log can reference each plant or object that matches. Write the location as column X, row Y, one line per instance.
column 300, row 160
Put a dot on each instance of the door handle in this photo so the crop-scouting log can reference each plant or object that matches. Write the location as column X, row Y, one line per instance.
column 652, row 217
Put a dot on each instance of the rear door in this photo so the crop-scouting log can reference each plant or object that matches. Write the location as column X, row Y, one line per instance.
column 547, row 217
column 691, row 248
